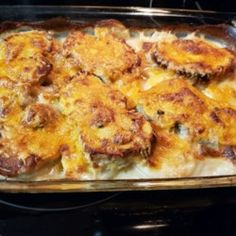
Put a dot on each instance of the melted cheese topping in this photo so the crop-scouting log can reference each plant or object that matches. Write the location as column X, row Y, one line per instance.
column 193, row 56
column 99, row 58
column 105, row 125
column 173, row 103
column 23, row 56
column 223, row 90
column 25, row 134
column 59, row 120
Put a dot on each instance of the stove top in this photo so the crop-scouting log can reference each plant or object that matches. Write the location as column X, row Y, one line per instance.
column 216, row 5
column 182, row 212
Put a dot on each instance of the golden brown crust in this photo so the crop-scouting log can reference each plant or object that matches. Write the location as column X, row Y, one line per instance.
column 53, row 108
column 27, row 44
column 11, row 165
column 39, row 116
column 193, row 57
column 99, row 59
column 31, row 133
column 105, row 125
column 24, row 56
column 176, row 106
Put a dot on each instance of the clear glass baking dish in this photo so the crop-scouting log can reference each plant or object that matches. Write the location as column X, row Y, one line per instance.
column 133, row 16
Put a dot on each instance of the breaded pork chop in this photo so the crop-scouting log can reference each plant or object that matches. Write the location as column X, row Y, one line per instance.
column 27, row 44
column 106, row 56
column 105, row 125
column 30, row 136
column 23, row 56
column 193, row 57
column 178, row 107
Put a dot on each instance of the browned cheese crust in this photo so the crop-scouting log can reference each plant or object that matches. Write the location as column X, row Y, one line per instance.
column 193, row 57
column 96, row 54
column 31, row 135
column 105, row 125
column 23, row 56
column 31, row 132
column 93, row 99
column 178, row 107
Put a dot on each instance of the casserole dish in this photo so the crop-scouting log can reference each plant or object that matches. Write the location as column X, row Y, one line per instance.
column 42, row 17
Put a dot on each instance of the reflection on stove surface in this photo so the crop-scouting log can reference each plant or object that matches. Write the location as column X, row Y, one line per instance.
column 216, row 5
column 186, row 212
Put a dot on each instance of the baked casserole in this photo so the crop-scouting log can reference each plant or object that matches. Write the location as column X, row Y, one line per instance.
column 105, row 101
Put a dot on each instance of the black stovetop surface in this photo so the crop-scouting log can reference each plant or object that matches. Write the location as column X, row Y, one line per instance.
column 214, row 5
column 185, row 212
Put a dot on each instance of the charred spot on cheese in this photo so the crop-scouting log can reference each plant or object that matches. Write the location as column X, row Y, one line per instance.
column 10, row 165
column 13, row 164
column 101, row 116
column 193, row 57
column 105, row 125
column 230, row 152
column 99, row 59
column 214, row 149
column 5, row 103
column 39, row 116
